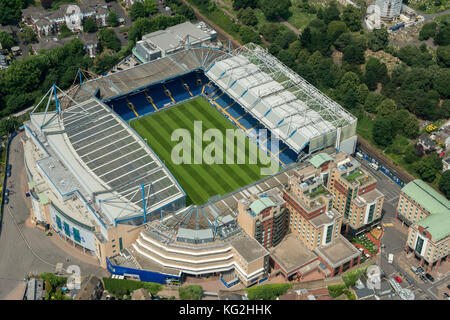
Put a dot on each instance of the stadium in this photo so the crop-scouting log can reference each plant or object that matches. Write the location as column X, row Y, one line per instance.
column 99, row 168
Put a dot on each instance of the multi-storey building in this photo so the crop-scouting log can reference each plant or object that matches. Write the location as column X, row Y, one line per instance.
column 427, row 213
column 356, row 195
column 264, row 217
column 315, row 223
column 46, row 22
column 389, row 8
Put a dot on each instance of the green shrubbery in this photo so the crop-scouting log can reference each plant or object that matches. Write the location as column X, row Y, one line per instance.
column 192, row 292
column 336, row 290
column 119, row 287
column 268, row 291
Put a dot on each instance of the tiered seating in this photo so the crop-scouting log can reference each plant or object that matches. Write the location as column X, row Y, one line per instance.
column 236, row 111
column 287, row 156
column 121, row 108
column 176, row 89
column 191, row 80
column 224, row 101
column 158, row 95
column 248, row 122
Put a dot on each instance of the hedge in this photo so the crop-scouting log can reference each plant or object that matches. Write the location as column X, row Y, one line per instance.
column 268, row 291
column 121, row 287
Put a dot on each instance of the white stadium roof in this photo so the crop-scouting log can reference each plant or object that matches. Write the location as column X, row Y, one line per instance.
column 294, row 110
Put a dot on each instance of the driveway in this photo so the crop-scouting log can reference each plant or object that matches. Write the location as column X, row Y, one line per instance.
column 25, row 249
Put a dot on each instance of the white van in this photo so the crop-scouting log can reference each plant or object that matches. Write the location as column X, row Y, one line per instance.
column 390, row 258
column 374, row 165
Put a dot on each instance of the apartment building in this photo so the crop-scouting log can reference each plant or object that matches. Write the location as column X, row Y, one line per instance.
column 427, row 213
column 264, row 217
column 356, row 195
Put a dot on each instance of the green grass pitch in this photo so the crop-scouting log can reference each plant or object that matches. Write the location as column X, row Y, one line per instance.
column 199, row 181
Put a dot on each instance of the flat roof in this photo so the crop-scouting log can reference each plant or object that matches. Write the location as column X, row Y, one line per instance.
column 320, row 159
column 338, row 252
column 248, row 248
column 61, row 178
column 291, row 254
column 437, row 224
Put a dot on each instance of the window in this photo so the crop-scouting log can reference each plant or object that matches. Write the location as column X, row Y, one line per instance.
column 58, row 222
column 76, row 235
column 66, row 229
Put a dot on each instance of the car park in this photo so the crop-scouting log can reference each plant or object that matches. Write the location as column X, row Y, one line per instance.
column 424, row 279
column 429, row 277
column 420, row 270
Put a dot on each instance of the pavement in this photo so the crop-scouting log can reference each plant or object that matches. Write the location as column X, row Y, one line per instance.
column 25, row 249
column 394, row 240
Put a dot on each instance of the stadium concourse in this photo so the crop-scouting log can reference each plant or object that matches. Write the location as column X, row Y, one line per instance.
column 99, row 184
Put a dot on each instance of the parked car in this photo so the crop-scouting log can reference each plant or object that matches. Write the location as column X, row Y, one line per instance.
column 409, row 280
column 398, row 279
column 6, row 200
column 8, row 166
column 446, row 296
column 8, row 174
column 420, row 270
column 6, row 192
column 414, row 269
column 429, row 277
column 423, row 278
column 448, row 286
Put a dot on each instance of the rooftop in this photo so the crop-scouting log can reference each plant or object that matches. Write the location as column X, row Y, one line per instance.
column 320, row 159
column 426, row 196
column 291, row 254
column 338, row 252
column 260, row 204
column 248, row 248
column 437, row 224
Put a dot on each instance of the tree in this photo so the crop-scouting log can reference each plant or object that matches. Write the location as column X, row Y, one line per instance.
column 444, row 183
column 372, row 101
column 8, row 125
column 428, row 167
column 331, row 13
column 354, row 54
column 186, row 11
column 248, row 35
column 113, row 19
column 442, row 38
column 285, row 38
column 351, row 17
column 137, row 11
column 382, row 131
column 11, row 10
column 247, row 16
column 386, row 108
column 274, row 10
column 415, row 56
column 242, row 4
column 6, row 40
column 270, row 31
column 46, row 4
column 443, row 56
column 378, row 68
column 28, row 35
column 335, row 29
column 150, row 7
column 343, row 41
column 108, row 39
column 105, row 61
column 90, row 26
column 441, row 82
column 378, row 39
column 428, row 31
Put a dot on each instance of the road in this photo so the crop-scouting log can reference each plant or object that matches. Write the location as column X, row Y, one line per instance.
column 394, row 240
column 25, row 249
column 429, row 17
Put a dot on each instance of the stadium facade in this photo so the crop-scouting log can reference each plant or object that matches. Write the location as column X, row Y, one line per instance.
column 98, row 184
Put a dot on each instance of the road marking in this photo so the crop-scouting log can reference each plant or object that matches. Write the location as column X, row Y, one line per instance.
column 388, row 224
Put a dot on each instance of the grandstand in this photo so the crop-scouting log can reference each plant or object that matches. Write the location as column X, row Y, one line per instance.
column 127, row 192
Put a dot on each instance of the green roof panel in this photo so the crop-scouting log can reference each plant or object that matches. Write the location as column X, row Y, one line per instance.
column 261, row 204
column 320, row 159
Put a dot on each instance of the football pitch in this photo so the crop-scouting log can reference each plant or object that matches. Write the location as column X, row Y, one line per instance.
column 199, row 181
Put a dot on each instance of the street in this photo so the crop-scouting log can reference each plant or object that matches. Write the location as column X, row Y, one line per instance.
column 25, row 249
column 394, row 240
